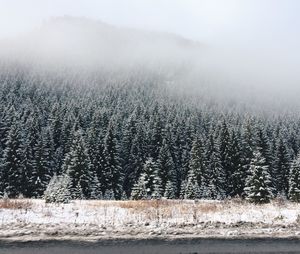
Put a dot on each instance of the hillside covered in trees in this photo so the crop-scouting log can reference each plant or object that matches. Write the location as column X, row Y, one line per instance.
column 128, row 132
column 133, row 138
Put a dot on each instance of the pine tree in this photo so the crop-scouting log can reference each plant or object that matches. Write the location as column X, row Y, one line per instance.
column 197, row 160
column 149, row 183
column 294, row 181
column 28, row 189
column 139, row 189
column 96, row 192
column 170, row 188
column 135, row 161
column 12, row 171
column 95, row 141
column 77, row 193
column 258, row 186
column 225, row 156
column 215, row 175
column 282, row 168
column 112, row 164
column 58, row 190
column 166, row 167
column 236, row 181
column 247, row 145
column 77, row 165
column 191, row 189
column 155, row 135
column 109, row 195
column 263, row 146
column 42, row 164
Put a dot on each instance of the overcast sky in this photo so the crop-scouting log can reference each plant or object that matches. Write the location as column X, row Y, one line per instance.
column 256, row 42
column 262, row 31
column 271, row 23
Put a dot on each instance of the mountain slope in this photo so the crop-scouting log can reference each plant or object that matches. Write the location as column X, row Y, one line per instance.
column 87, row 43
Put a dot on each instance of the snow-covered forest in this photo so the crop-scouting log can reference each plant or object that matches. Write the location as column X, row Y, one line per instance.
column 131, row 138
column 130, row 129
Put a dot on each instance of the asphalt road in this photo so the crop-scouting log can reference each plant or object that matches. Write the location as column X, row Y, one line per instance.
column 154, row 246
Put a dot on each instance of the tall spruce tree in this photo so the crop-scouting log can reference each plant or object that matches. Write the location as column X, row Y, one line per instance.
column 215, row 174
column 190, row 188
column 282, row 168
column 197, row 159
column 236, row 181
column 12, row 171
column 77, row 166
column 225, row 156
column 294, row 181
column 258, row 186
column 166, row 167
column 149, row 183
column 112, row 164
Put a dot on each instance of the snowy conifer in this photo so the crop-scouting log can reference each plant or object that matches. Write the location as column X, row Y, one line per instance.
column 77, row 166
column 149, row 183
column 282, row 168
column 258, row 186
column 57, row 190
column 112, row 164
column 191, row 188
column 294, row 181
column 12, row 172
column 166, row 166
column 170, row 190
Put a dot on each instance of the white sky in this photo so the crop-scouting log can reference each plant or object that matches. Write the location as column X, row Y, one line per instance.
column 258, row 22
column 257, row 41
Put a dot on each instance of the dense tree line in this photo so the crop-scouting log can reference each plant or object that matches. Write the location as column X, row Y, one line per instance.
column 132, row 138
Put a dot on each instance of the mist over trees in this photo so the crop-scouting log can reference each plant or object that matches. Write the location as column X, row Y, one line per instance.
column 135, row 139
column 73, row 133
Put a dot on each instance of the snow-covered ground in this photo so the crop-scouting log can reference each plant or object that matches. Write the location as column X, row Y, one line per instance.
column 148, row 219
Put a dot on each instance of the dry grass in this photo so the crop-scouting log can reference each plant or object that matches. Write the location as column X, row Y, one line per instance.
column 167, row 209
column 144, row 204
column 208, row 208
column 15, row 204
column 166, row 205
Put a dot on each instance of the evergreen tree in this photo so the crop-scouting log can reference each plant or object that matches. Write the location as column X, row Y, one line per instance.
column 135, row 161
column 263, row 146
column 112, row 168
column 258, row 186
column 78, row 167
column 166, row 167
column 215, row 175
column 236, row 181
column 42, row 165
column 191, row 189
column 95, row 141
column 282, row 168
column 197, row 159
column 294, row 181
column 12, row 171
column 96, row 191
column 170, row 190
column 149, row 183
column 109, row 195
column 58, row 190
column 225, row 156
column 139, row 189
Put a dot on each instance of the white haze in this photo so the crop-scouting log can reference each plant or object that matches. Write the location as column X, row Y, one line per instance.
column 241, row 49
